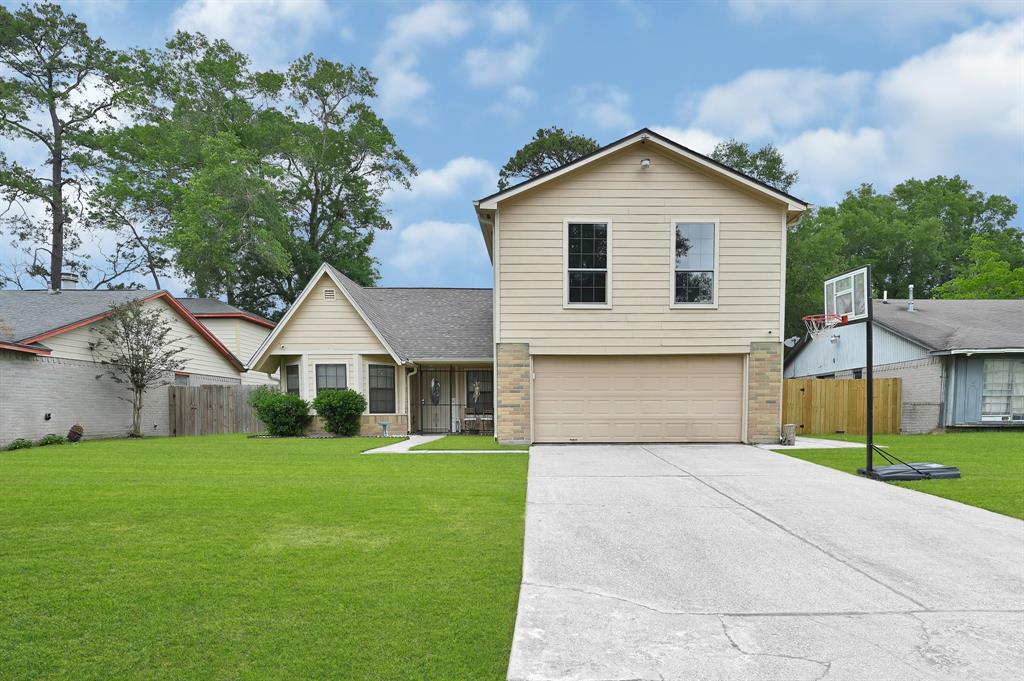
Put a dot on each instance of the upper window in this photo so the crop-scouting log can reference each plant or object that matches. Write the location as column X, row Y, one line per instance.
column 291, row 377
column 382, row 389
column 1002, row 397
column 330, row 377
column 479, row 392
column 694, row 263
column 587, row 260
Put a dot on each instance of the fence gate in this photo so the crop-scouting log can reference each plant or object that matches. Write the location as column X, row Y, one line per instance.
column 828, row 405
column 207, row 409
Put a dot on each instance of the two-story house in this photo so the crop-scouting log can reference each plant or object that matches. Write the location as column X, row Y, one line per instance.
column 638, row 296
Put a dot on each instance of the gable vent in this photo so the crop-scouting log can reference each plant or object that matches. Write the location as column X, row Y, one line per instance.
column 328, row 294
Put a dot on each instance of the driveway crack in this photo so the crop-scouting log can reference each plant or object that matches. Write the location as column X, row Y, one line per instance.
column 826, row 665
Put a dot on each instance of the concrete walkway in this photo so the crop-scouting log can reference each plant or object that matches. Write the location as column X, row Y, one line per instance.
column 731, row 562
column 816, row 443
column 406, row 447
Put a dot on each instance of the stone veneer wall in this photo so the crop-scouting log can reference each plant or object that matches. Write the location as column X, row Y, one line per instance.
column 764, row 392
column 512, row 393
column 398, row 424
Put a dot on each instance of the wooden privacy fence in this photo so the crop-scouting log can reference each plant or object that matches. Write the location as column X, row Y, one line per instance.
column 828, row 405
column 206, row 409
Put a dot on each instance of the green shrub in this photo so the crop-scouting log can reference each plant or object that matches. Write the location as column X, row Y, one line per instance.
column 51, row 439
column 340, row 411
column 283, row 413
column 20, row 443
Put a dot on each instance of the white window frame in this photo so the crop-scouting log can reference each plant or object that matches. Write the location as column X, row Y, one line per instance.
column 348, row 374
column 999, row 418
column 394, row 369
column 713, row 305
column 607, row 305
column 284, row 375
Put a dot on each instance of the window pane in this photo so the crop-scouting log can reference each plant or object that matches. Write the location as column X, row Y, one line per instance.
column 695, row 246
column 997, row 389
column 588, row 246
column 695, row 287
column 587, row 287
column 484, row 381
column 330, row 376
column 291, row 373
column 382, row 389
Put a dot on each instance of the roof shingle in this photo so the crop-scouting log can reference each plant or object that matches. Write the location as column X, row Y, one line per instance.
column 956, row 324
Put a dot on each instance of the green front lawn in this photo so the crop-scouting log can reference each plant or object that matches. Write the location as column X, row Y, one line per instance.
column 464, row 443
column 224, row 557
column 991, row 463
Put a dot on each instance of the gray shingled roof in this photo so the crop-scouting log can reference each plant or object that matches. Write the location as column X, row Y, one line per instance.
column 25, row 314
column 428, row 323
column 956, row 324
column 204, row 306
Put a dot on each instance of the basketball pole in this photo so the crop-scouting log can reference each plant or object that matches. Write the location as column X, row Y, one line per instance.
column 869, row 375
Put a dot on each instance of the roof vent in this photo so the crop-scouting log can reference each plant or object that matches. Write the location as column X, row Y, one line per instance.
column 910, row 300
column 68, row 281
column 328, row 294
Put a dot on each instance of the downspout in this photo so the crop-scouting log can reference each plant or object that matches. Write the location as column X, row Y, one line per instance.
column 408, row 396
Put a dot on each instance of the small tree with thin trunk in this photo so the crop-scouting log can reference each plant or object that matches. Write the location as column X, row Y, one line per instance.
column 137, row 347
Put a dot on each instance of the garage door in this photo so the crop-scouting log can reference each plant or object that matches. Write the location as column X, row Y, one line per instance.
column 691, row 398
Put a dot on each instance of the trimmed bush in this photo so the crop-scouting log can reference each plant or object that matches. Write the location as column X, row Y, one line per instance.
column 51, row 439
column 340, row 411
column 20, row 443
column 283, row 413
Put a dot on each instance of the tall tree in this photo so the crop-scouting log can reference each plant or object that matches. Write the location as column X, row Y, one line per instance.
column 138, row 349
column 988, row 274
column 59, row 89
column 550, row 148
column 920, row 233
column 765, row 164
column 337, row 158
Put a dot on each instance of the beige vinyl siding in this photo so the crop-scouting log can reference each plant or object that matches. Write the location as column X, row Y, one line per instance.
column 641, row 204
column 320, row 324
column 200, row 357
column 242, row 338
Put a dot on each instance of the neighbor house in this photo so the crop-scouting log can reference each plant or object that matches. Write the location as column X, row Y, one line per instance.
column 961, row 361
column 638, row 296
column 50, row 371
column 241, row 332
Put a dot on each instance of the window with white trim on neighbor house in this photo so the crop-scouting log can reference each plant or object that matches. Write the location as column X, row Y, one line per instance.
column 1003, row 390
column 587, row 263
column 291, row 377
column 693, row 280
column 331, row 377
column 382, row 389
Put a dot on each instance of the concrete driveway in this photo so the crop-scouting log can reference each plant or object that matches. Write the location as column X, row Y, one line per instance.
column 676, row 562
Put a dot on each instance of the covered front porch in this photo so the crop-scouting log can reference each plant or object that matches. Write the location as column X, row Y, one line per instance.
column 452, row 398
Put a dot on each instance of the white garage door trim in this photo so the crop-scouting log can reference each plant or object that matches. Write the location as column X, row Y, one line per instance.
column 638, row 398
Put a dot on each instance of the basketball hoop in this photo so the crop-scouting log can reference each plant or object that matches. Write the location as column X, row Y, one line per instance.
column 819, row 324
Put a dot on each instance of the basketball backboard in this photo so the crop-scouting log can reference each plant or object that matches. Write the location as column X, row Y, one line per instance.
column 847, row 294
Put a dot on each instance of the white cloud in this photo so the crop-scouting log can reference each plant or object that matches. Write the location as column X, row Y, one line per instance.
column 956, row 108
column 268, row 30
column 498, row 67
column 765, row 102
column 701, row 141
column 400, row 86
column 515, row 100
column 508, row 17
column 965, row 97
column 604, row 106
column 438, row 253
column 834, row 161
column 450, row 180
column 899, row 14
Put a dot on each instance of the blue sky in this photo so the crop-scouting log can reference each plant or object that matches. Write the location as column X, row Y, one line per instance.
column 850, row 91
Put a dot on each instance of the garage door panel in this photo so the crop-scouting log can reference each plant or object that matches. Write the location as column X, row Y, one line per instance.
column 695, row 398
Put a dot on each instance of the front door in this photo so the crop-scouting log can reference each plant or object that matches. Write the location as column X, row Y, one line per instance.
column 438, row 410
